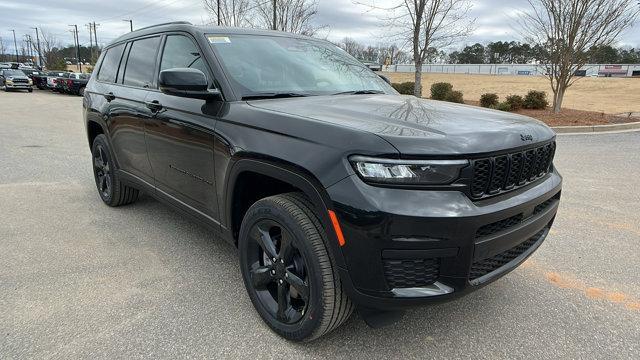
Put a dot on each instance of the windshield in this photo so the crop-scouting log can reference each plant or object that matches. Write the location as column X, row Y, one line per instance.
column 259, row 64
column 13, row 73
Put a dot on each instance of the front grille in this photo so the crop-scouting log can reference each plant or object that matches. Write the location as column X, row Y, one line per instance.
column 20, row 81
column 542, row 207
column 483, row 267
column 409, row 273
column 496, row 227
column 504, row 224
column 502, row 173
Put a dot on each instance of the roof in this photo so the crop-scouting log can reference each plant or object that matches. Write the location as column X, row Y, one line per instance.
column 188, row 27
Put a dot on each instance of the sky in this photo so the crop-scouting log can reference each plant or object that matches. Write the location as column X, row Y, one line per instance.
column 495, row 19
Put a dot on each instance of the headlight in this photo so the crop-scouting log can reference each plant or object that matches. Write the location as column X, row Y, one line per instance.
column 410, row 172
column 30, row 82
column 9, row 81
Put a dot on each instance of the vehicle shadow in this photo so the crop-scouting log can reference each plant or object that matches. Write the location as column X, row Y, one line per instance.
column 423, row 325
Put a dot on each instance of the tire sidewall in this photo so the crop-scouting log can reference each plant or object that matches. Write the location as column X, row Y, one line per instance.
column 266, row 209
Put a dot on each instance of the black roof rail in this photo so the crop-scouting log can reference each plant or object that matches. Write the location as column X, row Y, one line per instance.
column 167, row 23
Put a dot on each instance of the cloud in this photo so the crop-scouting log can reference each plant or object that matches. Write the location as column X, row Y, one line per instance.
column 495, row 19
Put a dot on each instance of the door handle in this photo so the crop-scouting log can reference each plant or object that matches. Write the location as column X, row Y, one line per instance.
column 154, row 105
column 109, row 96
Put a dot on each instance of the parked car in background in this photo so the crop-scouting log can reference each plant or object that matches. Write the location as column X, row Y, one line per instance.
column 54, row 81
column 75, row 84
column 40, row 79
column 12, row 79
column 31, row 72
column 372, row 66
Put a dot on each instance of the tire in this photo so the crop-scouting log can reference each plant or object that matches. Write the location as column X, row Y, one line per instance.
column 30, row 90
column 305, row 270
column 111, row 190
column 81, row 91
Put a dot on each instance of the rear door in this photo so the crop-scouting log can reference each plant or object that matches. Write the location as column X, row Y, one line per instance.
column 180, row 136
column 127, row 111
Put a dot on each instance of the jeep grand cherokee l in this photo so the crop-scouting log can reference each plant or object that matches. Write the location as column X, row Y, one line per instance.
column 339, row 193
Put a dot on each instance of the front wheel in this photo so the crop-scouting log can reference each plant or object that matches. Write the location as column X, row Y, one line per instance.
column 288, row 272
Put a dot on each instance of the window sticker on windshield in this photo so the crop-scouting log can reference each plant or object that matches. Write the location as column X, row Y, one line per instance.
column 219, row 39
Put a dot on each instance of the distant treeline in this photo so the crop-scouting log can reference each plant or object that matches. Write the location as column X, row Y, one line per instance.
column 513, row 52
column 498, row 52
column 55, row 57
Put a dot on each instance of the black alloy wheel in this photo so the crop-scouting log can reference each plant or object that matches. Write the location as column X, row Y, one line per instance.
column 278, row 271
column 290, row 277
column 102, row 172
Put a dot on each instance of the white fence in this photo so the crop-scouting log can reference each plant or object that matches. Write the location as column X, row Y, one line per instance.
column 516, row 69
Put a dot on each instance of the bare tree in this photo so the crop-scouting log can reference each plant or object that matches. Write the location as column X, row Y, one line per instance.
column 425, row 24
column 291, row 15
column 567, row 29
column 2, row 49
column 229, row 12
column 50, row 46
column 352, row 47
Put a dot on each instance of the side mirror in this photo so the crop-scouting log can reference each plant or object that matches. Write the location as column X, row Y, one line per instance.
column 386, row 79
column 186, row 82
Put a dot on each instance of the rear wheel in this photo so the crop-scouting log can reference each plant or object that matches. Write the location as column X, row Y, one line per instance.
column 287, row 270
column 112, row 191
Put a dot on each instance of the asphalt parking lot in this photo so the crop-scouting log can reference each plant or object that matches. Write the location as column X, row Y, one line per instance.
column 81, row 280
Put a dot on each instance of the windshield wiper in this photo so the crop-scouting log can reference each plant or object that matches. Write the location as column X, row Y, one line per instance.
column 273, row 95
column 359, row 92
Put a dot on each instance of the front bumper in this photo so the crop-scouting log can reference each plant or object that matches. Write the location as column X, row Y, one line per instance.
column 411, row 247
column 18, row 86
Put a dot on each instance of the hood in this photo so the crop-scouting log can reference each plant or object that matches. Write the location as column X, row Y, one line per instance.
column 419, row 126
column 17, row 77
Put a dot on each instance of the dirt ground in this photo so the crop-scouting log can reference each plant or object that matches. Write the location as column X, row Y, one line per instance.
column 598, row 95
column 572, row 117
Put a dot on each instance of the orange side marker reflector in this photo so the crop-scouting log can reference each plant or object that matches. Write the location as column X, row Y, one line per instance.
column 336, row 227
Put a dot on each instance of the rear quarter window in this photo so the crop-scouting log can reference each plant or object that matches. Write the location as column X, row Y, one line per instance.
column 109, row 68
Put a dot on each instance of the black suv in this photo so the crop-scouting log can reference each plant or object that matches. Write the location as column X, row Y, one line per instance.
column 339, row 193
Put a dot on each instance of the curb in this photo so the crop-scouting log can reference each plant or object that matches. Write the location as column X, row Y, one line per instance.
column 595, row 128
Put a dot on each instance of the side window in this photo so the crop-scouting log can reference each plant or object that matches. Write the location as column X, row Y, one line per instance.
column 181, row 52
column 141, row 62
column 109, row 66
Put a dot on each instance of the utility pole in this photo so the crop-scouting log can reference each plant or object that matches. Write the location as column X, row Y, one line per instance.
column 218, row 12
column 15, row 45
column 130, row 24
column 39, row 53
column 75, row 37
column 274, row 15
column 90, row 42
column 95, row 37
column 27, row 39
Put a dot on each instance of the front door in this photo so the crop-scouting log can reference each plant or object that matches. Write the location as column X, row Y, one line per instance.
column 180, row 135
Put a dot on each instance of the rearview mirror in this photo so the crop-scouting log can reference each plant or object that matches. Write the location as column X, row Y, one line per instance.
column 186, row 82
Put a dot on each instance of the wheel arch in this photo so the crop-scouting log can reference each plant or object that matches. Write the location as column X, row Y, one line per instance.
column 295, row 177
column 94, row 129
